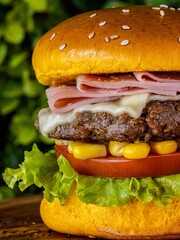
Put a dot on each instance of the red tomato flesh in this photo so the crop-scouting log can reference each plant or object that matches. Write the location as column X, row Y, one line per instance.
column 120, row 167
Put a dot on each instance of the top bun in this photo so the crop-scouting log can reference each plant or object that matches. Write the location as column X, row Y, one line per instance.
column 137, row 38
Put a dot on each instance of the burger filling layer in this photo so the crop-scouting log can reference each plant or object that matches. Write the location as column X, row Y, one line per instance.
column 123, row 107
column 157, row 120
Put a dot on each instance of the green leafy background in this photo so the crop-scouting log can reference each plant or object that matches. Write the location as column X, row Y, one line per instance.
column 22, row 23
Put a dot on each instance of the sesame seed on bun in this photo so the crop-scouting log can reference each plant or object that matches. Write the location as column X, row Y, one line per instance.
column 110, row 41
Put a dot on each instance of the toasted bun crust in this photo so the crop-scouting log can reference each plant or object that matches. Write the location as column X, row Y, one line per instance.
column 134, row 220
column 86, row 47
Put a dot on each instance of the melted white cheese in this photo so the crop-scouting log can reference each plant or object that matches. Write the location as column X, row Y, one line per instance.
column 132, row 105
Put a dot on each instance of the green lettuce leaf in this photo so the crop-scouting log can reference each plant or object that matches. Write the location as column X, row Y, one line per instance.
column 56, row 177
column 116, row 192
column 104, row 191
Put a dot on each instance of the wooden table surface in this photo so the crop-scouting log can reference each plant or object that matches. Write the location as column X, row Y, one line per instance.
column 20, row 219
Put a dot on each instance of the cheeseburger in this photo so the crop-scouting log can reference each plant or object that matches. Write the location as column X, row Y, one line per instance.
column 113, row 91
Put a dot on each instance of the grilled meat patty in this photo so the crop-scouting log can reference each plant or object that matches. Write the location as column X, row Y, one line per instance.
column 159, row 121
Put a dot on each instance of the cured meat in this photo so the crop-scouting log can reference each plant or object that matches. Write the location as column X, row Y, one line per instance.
column 101, row 88
column 166, row 77
column 125, row 83
column 65, row 98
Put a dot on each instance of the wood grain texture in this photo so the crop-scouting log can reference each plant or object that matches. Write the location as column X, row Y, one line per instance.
column 20, row 219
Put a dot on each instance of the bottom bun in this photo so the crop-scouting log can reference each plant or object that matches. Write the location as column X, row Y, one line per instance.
column 131, row 221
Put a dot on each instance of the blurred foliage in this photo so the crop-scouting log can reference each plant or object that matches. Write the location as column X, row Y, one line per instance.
column 22, row 23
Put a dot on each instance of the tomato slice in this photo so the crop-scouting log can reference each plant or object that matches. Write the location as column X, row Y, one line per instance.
column 120, row 167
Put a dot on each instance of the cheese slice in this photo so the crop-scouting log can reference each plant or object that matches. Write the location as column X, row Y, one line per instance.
column 132, row 105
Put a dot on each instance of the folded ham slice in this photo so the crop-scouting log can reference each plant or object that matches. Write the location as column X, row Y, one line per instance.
column 99, row 88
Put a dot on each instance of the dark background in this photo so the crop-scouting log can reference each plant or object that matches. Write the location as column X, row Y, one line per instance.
column 22, row 23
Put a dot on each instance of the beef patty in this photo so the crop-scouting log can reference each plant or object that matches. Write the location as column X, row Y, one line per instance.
column 160, row 120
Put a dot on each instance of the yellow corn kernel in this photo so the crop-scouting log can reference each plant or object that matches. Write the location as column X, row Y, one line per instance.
column 178, row 142
column 72, row 144
column 116, row 148
column 88, row 150
column 163, row 147
column 136, row 150
column 62, row 142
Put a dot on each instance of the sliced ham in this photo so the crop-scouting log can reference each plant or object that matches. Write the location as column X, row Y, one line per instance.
column 94, row 88
column 65, row 98
column 125, row 83
column 162, row 77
